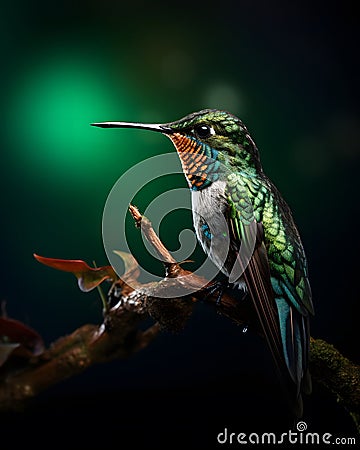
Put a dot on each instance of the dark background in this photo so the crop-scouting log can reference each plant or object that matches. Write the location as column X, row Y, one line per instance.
column 291, row 72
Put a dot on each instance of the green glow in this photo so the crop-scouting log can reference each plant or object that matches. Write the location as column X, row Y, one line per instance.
column 50, row 113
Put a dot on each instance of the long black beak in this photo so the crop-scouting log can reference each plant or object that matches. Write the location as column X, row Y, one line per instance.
column 143, row 126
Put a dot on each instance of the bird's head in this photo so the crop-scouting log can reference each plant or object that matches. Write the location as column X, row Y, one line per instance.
column 205, row 140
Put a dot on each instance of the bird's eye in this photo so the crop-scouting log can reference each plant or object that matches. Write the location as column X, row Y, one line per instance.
column 204, row 131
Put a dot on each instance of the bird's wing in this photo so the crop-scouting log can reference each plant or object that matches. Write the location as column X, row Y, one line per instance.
column 247, row 237
column 293, row 297
column 293, row 282
column 289, row 261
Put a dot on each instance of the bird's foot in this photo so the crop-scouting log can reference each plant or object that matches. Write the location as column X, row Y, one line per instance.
column 213, row 288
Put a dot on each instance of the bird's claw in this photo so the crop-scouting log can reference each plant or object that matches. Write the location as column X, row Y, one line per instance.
column 217, row 286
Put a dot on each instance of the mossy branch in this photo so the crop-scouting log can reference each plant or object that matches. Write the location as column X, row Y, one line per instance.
column 338, row 375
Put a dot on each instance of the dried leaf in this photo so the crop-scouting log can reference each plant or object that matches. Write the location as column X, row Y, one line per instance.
column 5, row 352
column 132, row 270
column 88, row 277
column 14, row 335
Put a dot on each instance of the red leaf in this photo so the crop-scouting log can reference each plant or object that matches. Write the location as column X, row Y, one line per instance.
column 88, row 277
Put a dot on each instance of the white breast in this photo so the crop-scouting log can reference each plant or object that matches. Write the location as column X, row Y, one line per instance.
column 210, row 197
column 208, row 207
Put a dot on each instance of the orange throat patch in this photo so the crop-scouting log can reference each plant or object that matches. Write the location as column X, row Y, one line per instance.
column 193, row 161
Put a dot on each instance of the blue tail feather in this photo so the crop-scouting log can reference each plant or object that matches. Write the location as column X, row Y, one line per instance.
column 294, row 335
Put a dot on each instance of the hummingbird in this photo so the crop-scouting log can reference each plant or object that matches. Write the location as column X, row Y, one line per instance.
column 238, row 210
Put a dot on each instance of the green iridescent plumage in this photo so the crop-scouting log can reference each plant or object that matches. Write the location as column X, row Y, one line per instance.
column 222, row 165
